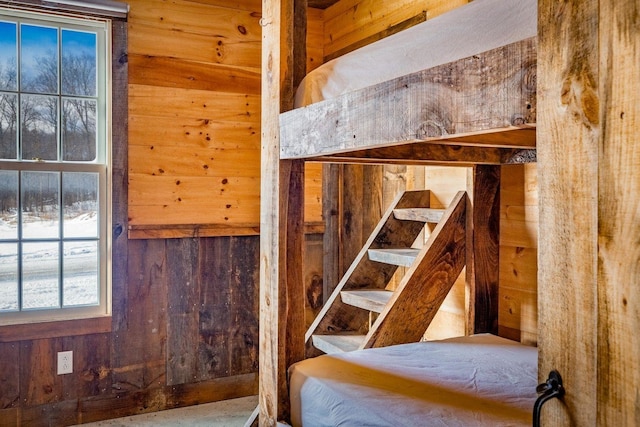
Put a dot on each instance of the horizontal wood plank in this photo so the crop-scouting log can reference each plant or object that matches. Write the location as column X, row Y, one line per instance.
column 337, row 343
column 172, row 72
column 367, row 300
column 440, row 102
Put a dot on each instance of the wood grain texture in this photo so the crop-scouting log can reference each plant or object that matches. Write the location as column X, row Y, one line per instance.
column 9, row 376
column 183, row 290
column 363, row 273
column 119, row 174
column 144, row 334
column 418, row 153
column 194, row 109
column 350, row 21
column 195, row 31
column 407, row 23
column 618, row 397
column 483, row 249
column 569, row 122
column 518, row 308
column 281, row 211
column 489, row 91
column 426, row 284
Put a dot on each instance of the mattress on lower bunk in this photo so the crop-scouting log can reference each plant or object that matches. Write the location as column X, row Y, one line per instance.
column 480, row 380
column 474, row 28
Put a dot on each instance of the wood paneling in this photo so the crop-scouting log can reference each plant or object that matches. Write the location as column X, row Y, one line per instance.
column 315, row 32
column 192, row 320
column 194, row 109
column 518, row 315
column 350, row 21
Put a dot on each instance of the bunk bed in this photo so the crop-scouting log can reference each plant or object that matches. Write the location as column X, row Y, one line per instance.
column 459, row 88
column 479, row 380
column 468, row 97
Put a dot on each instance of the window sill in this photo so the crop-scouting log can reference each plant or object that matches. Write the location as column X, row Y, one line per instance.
column 62, row 328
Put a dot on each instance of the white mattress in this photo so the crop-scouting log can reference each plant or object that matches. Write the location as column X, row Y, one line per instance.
column 482, row 380
column 468, row 30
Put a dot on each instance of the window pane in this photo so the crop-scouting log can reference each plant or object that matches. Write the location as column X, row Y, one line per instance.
column 80, row 204
column 8, row 49
column 8, row 204
column 8, row 276
column 79, row 59
column 8, row 126
column 38, row 59
column 40, row 275
column 40, row 205
column 80, row 267
column 39, row 127
column 79, row 130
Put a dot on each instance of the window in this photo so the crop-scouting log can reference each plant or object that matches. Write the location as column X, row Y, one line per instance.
column 54, row 158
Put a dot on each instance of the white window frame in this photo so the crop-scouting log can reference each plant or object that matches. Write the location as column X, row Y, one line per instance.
column 101, row 166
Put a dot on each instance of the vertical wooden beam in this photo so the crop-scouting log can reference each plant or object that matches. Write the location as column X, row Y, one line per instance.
column 281, row 209
column 618, row 399
column 119, row 176
column 332, row 265
column 483, row 249
column 568, row 135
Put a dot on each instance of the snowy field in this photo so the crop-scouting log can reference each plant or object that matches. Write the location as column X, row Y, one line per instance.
column 41, row 263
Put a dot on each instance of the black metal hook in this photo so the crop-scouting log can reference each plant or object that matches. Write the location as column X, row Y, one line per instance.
column 549, row 389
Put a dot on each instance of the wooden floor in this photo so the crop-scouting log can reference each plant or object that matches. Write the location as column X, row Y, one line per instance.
column 227, row 413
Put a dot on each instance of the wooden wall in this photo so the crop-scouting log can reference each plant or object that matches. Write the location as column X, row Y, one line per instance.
column 184, row 332
column 518, row 306
column 194, row 119
column 184, row 327
column 194, row 112
column 353, row 23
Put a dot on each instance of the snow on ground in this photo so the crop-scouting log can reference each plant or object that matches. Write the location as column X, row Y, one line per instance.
column 41, row 264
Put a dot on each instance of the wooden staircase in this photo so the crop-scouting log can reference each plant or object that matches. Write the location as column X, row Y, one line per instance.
column 361, row 312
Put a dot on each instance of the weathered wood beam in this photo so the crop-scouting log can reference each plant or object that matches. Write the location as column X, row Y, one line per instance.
column 619, row 215
column 483, row 249
column 569, row 131
column 281, row 210
column 489, row 91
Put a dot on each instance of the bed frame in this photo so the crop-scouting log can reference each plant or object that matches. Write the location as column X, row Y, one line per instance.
column 456, row 119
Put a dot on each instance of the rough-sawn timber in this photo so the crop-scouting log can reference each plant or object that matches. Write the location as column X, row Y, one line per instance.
column 481, row 95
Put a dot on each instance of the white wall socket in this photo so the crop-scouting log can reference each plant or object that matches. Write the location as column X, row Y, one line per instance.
column 65, row 362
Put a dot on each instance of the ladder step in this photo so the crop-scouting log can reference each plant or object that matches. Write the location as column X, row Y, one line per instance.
column 367, row 299
column 429, row 215
column 401, row 257
column 337, row 343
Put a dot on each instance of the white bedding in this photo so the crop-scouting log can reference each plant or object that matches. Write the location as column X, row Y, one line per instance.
column 476, row 27
column 482, row 380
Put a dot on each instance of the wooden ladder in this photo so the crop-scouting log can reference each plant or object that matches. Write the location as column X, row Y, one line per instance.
column 345, row 322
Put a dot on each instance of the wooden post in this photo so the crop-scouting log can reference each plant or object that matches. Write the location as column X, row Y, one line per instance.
column 281, row 210
column 483, row 249
column 619, row 216
column 589, row 183
column 567, row 148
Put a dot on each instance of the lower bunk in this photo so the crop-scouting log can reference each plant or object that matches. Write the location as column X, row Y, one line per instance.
column 479, row 380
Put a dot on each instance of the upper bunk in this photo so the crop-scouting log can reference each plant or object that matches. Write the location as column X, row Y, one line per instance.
column 456, row 89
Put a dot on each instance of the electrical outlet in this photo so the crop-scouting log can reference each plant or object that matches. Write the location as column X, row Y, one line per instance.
column 65, row 362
